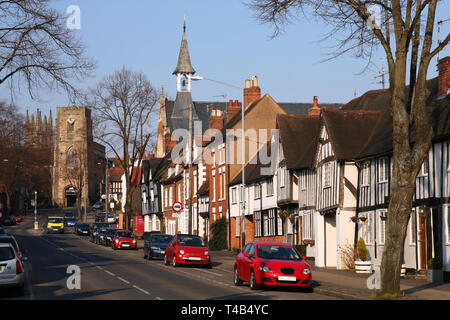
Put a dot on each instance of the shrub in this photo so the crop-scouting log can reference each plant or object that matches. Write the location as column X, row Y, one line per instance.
column 236, row 250
column 435, row 264
column 362, row 250
column 218, row 240
column 348, row 256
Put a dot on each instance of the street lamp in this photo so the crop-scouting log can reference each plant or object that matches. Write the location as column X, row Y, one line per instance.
column 35, row 211
column 242, row 193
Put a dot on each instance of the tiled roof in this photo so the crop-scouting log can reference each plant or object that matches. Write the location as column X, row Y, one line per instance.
column 298, row 136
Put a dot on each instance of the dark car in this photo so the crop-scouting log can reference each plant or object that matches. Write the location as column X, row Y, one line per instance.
column 69, row 215
column 156, row 244
column 100, row 217
column 9, row 221
column 100, row 236
column 2, row 231
column 70, row 222
column 94, row 229
column 98, row 206
column 82, row 228
column 109, row 236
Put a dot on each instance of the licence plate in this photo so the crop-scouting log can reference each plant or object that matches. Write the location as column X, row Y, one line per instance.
column 125, row 245
column 284, row 278
column 195, row 258
column 85, row 232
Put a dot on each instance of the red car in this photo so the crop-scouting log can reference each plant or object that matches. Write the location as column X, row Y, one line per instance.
column 19, row 218
column 124, row 239
column 187, row 249
column 271, row 264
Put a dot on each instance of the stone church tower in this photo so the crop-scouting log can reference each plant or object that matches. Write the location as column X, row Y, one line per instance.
column 39, row 131
column 78, row 161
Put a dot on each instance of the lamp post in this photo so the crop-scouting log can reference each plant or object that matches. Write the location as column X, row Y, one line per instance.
column 242, row 191
column 35, row 211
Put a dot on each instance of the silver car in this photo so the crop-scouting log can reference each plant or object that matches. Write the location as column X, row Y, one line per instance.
column 11, row 269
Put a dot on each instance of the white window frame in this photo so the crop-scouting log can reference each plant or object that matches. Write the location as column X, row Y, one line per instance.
column 269, row 187
column 365, row 174
column 412, row 228
column 326, row 175
column 233, row 195
column 424, row 168
column 382, row 164
column 258, row 191
column 307, row 227
column 282, row 177
column 381, row 227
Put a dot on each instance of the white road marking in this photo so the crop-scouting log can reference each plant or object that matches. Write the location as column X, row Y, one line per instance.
column 158, row 298
column 214, row 273
column 142, row 290
column 98, row 267
column 110, row 273
column 123, row 280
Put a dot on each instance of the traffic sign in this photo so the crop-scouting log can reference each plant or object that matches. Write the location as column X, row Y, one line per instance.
column 177, row 206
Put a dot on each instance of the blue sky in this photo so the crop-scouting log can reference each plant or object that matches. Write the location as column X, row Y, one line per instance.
column 226, row 43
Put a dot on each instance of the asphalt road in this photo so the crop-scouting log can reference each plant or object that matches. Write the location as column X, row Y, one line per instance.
column 123, row 275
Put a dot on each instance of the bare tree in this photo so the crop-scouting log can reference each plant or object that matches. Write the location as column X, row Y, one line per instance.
column 123, row 104
column 37, row 47
column 407, row 45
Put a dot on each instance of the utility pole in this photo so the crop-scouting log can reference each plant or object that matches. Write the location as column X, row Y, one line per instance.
column 190, row 184
column 381, row 74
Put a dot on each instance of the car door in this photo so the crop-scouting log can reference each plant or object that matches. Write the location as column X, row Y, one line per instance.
column 247, row 262
column 240, row 259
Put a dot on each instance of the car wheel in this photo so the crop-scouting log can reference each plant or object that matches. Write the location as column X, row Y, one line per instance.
column 237, row 281
column 208, row 266
column 165, row 260
column 174, row 262
column 253, row 284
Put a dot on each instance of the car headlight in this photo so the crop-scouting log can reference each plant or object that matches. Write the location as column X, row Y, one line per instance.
column 181, row 251
column 117, row 240
column 154, row 248
column 265, row 269
column 134, row 240
column 306, row 271
column 206, row 253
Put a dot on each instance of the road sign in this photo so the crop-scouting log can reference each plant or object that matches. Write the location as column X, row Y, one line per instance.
column 177, row 206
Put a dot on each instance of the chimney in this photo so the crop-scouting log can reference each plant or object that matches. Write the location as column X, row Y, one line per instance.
column 315, row 110
column 232, row 109
column 444, row 76
column 252, row 92
column 215, row 120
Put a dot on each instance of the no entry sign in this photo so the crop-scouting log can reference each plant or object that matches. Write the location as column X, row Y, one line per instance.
column 177, row 206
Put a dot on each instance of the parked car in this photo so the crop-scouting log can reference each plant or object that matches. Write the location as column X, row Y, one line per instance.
column 55, row 224
column 109, row 236
column 11, row 269
column 156, row 244
column 124, row 239
column 98, row 239
column 9, row 220
column 70, row 222
column 82, row 228
column 100, row 217
column 7, row 238
column 18, row 217
column 69, row 215
column 112, row 218
column 2, row 231
column 187, row 249
column 94, row 229
column 98, row 206
column 271, row 264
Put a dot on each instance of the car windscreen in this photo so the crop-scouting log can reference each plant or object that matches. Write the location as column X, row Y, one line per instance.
column 190, row 241
column 277, row 252
column 55, row 220
column 6, row 253
column 110, row 232
column 125, row 234
column 8, row 240
column 83, row 225
column 161, row 238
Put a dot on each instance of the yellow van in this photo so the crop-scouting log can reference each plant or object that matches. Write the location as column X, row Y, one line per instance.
column 55, row 224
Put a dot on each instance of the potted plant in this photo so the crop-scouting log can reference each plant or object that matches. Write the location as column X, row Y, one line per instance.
column 363, row 218
column 383, row 216
column 354, row 219
column 435, row 273
column 361, row 265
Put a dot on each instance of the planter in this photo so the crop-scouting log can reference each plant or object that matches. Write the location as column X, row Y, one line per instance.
column 363, row 266
column 435, row 276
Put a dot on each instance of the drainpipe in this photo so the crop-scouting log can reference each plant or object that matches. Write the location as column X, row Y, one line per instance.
column 357, row 204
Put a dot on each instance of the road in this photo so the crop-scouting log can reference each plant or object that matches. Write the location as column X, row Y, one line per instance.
column 124, row 275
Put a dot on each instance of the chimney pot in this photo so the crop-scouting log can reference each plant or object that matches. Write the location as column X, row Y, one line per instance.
column 254, row 81
column 247, row 83
column 236, row 103
column 230, row 103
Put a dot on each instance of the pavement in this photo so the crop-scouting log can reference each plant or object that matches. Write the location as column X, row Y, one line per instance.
column 347, row 284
